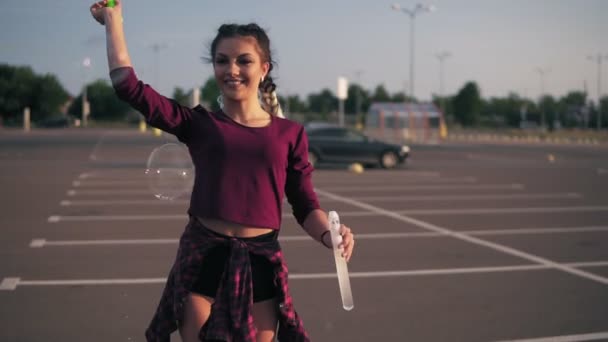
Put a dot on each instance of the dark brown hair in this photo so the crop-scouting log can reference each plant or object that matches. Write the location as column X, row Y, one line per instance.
column 254, row 31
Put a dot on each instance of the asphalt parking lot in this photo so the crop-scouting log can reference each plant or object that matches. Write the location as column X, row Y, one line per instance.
column 467, row 242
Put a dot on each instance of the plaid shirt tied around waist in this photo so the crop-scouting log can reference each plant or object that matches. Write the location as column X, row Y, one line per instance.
column 231, row 317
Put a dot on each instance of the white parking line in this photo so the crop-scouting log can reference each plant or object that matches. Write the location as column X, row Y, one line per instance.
column 11, row 283
column 528, row 210
column 80, row 183
column 113, row 175
column 84, row 218
column 566, row 338
column 93, row 155
column 142, row 182
column 39, row 243
column 471, row 239
column 123, row 202
column 567, row 195
column 398, row 187
column 116, row 192
column 73, row 203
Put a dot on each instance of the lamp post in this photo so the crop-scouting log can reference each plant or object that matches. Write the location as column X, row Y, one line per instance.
column 442, row 56
column 419, row 8
column 156, row 47
column 598, row 59
column 358, row 95
column 541, row 73
column 86, row 108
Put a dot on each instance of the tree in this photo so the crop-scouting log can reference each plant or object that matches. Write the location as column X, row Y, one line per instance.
column 181, row 96
column 48, row 97
column 603, row 109
column 467, row 104
column 324, row 102
column 380, row 94
column 105, row 105
column 20, row 87
column 209, row 94
column 295, row 105
column 445, row 104
column 357, row 101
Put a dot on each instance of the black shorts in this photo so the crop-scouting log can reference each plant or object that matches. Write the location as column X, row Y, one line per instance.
column 213, row 265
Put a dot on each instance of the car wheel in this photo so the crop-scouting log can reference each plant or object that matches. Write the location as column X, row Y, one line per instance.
column 388, row 160
column 313, row 158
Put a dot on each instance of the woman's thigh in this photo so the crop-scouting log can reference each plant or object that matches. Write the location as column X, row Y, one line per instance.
column 265, row 317
column 196, row 313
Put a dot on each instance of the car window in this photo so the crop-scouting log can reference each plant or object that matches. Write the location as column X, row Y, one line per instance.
column 328, row 133
column 354, row 136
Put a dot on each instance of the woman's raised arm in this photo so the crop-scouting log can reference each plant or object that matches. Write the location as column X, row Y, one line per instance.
column 116, row 44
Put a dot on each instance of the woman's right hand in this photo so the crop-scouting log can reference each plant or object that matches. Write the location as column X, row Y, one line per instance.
column 99, row 9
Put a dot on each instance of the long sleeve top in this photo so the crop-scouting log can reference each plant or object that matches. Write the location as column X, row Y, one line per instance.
column 242, row 173
column 231, row 318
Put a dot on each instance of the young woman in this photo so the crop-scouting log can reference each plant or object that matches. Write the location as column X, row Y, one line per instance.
column 229, row 280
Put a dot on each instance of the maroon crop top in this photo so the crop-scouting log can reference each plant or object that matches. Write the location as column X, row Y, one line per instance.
column 242, row 173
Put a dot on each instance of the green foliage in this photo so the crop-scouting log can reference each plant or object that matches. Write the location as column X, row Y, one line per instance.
column 209, row 94
column 467, row 104
column 105, row 105
column 293, row 104
column 323, row 102
column 20, row 87
column 380, row 94
column 181, row 96
column 358, row 100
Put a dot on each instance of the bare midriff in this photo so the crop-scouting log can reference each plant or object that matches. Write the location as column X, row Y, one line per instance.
column 233, row 229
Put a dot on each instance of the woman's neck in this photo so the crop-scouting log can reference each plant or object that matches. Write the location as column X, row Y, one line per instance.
column 244, row 111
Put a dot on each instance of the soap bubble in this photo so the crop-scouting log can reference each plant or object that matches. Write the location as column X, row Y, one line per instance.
column 170, row 172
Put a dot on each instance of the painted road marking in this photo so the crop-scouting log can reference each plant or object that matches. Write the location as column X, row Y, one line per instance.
column 472, row 239
column 398, row 187
column 13, row 282
column 568, row 195
column 144, row 183
column 566, row 338
column 394, row 214
column 73, row 203
column 39, row 243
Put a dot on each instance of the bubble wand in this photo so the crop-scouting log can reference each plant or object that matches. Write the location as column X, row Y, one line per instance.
column 341, row 267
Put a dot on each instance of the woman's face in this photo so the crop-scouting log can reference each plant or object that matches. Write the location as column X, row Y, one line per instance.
column 239, row 68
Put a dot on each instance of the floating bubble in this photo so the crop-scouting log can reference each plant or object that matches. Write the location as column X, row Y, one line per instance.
column 170, row 172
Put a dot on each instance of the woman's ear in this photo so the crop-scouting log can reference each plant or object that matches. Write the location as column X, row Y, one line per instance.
column 265, row 69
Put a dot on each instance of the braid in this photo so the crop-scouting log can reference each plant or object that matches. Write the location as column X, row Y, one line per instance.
column 270, row 101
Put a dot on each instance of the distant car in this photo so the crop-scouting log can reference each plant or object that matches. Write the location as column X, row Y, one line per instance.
column 343, row 145
column 56, row 122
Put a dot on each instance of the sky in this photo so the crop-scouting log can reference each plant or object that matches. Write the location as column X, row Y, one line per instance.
column 499, row 44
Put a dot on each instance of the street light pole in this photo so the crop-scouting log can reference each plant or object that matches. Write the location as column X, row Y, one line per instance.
column 419, row 8
column 156, row 47
column 86, row 108
column 442, row 56
column 358, row 95
column 541, row 73
column 598, row 59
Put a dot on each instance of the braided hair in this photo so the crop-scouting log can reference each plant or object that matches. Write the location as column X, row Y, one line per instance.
column 267, row 87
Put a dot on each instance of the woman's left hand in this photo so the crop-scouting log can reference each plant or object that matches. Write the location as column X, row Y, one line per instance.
column 348, row 242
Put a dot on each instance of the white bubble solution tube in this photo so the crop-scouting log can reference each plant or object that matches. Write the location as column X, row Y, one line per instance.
column 341, row 267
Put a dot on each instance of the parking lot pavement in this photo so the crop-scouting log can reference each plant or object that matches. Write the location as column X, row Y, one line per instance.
column 465, row 243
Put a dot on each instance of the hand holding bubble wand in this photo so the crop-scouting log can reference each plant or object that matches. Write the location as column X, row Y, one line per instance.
column 341, row 267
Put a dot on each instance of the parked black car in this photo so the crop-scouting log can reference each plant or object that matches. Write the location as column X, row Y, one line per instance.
column 343, row 145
